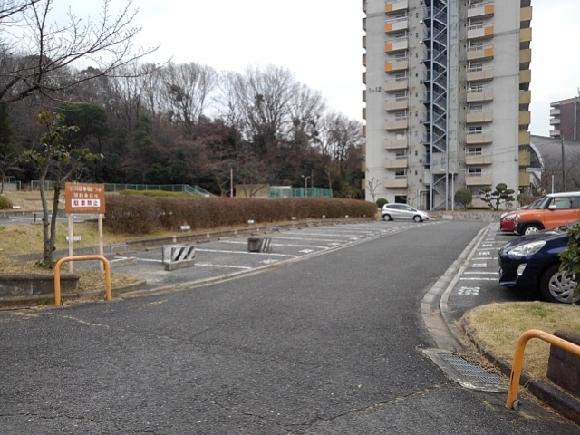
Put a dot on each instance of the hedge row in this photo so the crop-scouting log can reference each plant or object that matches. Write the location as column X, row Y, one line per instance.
column 142, row 215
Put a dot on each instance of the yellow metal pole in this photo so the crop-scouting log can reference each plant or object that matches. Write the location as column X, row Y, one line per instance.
column 512, row 397
column 106, row 275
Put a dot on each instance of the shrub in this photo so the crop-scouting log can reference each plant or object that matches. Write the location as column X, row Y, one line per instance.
column 571, row 256
column 464, row 197
column 381, row 201
column 141, row 215
column 5, row 203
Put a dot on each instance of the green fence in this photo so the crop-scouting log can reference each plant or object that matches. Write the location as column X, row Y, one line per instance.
column 300, row 192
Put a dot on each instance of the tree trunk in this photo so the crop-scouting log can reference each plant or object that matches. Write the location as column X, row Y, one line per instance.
column 47, row 252
column 55, row 198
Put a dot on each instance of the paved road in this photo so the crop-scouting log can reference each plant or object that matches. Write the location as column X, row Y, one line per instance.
column 327, row 345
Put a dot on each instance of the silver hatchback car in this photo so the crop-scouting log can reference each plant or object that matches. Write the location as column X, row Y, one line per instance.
column 403, row 211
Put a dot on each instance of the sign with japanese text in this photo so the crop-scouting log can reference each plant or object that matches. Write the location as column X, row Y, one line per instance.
column 84, row 198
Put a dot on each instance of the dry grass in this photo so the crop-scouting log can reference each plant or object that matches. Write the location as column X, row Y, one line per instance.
column 498, row 326
column 28, row 201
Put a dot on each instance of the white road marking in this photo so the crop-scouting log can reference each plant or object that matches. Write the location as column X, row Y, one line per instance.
column 306, row 238
column 306, row 251
column 223, row 265
column 269, row 261
column 149, row 260
column 468, row 291
column 480, row 273
column 223, row 251
column 477, row 279
column 483, row 258
column 479, row 265
column 321, row 234
column 233, row 242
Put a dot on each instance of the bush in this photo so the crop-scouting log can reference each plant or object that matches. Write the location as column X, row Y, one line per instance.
column 381, row 201
column 463, row 197
column 571, row 256
column 135, row 214
column 5, row 203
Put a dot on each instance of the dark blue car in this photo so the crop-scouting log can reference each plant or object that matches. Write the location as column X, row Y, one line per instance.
column 532, row 263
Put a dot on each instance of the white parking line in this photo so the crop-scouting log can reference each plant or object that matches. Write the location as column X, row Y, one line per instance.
column 477, row 279
column 307, row 238
column 233, row 242
column 483, row 258
column 148, row 260
column 480, row 273
column 323, row 235
column 223, row 265
column 223, row 251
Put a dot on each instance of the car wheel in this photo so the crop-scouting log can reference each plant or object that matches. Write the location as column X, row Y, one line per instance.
column 557, row 286
column 530, row 229
column 417, row 218
column 387, row 217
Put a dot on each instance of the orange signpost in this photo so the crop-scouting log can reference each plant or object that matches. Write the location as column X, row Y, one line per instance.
column 83, row 198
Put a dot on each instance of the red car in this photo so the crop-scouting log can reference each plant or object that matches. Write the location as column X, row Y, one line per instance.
column 507, row 222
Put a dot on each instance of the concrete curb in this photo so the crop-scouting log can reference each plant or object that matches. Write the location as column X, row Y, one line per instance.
column 432, row 306
column 563, row 402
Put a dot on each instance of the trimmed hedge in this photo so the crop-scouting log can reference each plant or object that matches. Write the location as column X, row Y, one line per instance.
column 143, row 215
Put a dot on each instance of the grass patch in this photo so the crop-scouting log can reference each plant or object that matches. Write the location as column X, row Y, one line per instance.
column 29, row 201
column 157, row 194
column 498, row 326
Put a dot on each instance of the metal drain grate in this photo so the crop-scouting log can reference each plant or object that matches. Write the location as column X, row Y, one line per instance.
column 467, row 374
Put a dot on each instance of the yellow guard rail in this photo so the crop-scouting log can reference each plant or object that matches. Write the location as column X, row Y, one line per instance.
column 106, row 275
column 512, row 398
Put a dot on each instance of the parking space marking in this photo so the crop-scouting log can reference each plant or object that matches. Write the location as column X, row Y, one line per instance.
column 316, row 239
column 479, row 265
column 484, row 258
column 468, row 291
column 234, row 242
column 223, row 265
column 148, row 260
column 480, row 273
column 481, row 278
column 306, row 251
column 354, row 236
column 224, row 251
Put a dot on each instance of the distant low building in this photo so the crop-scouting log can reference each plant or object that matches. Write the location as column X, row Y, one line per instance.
column 565, row 119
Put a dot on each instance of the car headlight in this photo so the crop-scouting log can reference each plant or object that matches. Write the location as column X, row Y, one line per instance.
column 527, row 249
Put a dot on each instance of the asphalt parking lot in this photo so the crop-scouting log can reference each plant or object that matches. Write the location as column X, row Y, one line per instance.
column 477, row 283
column 229, row 256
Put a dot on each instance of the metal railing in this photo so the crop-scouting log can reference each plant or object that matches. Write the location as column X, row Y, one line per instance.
column 106, row 275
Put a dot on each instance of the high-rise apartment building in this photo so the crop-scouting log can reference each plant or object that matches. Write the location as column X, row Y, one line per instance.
column 447, row 96
column 565, row 119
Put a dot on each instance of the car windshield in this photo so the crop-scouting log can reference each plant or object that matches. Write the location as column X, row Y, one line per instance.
column 536, row 203
column 542, row 202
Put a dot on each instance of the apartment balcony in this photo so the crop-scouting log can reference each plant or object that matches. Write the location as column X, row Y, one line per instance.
column 478, row 180
column 396, row 6
column 364, row 41
column 364, row 96
column 364, row 59
column 478, row 159
column 391, row 106
column 397, row 124
column 477, row 76
column 396, row 144
column 364, row 78
column 478, row 138
column 525, row 17
column 364, row 113
column 524, row 158
column 401, row 163
column 396, row 65
column 523, row 179
column 523, row 137
column 396, row 25
column 476, row 97
column 524, row 117
column 397, row 45
column 481, row 10
column 525, row 76
column 555, row 121
column 525, row 57
column 478, row 117
column 525, row 37
column 525, row 97
column 477, row 53
column 480, row 31
column 554, row 112
column 399, row 84
column 398, row 183
column 555, row 134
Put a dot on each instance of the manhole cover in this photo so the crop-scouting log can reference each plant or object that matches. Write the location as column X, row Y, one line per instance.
column 467, row 374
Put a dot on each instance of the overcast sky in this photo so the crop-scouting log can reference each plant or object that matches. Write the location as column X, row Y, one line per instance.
column 320, row 41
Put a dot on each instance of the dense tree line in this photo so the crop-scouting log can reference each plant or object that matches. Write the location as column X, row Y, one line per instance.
column 165, row 124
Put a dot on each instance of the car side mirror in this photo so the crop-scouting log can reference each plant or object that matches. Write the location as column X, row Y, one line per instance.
column 552, row 207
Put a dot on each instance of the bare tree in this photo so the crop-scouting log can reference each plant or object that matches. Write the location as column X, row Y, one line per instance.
column 11, row 8
column 50, row 52
column 373, row 184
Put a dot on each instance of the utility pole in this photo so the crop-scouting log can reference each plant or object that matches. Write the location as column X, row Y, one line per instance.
column 564, row 189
